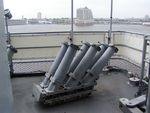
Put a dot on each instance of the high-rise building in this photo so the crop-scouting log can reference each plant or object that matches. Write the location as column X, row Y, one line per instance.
column 84, row 16
column 39, row 15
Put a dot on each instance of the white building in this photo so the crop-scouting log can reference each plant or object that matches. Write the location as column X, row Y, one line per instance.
column 84, row 16
column 39, row 15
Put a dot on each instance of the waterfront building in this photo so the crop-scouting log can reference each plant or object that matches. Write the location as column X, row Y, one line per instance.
column 84, row 16
column 39, row 15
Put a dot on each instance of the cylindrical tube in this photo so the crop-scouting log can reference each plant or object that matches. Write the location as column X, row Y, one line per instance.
column 79, row 56
column 58, row 78
column 80, row 70
column 98, row 54
column 93, row 74
column 55, row 64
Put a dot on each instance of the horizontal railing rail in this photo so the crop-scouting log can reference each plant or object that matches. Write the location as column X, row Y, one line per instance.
column 42, row 46
column 54, row 33
column 76, row 32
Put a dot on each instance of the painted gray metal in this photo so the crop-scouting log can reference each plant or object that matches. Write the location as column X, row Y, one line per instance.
column 148, row 92
column 55, row 65
column 67, row 32
column 10, row 52
column 72, row 33
column 93, row 74
column 111, row 18
column 79, row 56
column 58, row 78
column 148, row 99
column 80, row 70
column 6, row 97
column 143, row 58
column 98, row 54
column 125, row 109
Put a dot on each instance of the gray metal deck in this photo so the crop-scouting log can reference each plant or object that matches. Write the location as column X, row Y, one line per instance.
column 105, row 99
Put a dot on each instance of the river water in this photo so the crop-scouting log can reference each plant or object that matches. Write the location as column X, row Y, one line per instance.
column 56, row 27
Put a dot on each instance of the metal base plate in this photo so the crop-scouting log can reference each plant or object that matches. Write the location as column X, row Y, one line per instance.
column 124, row 106
column 58, row 97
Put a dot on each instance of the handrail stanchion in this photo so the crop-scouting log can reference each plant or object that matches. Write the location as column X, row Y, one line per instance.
column 143, row 57
column 111, row 16
column 71, row 34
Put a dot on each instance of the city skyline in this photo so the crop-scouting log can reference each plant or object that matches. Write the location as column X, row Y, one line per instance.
column 61, row 8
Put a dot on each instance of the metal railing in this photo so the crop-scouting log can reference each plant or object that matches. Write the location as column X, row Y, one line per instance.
column 45, row 45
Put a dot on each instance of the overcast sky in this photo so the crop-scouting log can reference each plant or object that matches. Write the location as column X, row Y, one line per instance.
column 61, row 8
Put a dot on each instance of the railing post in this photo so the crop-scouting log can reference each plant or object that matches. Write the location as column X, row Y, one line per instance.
column 143, row 58
column 71, row 33
column 110, row 30
column 148, row 92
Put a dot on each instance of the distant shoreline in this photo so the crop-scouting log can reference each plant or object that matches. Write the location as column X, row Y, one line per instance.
column 29, row 28
column 82, row 25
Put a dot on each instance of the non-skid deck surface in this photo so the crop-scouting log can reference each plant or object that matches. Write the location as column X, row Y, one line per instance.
column 105, row 99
